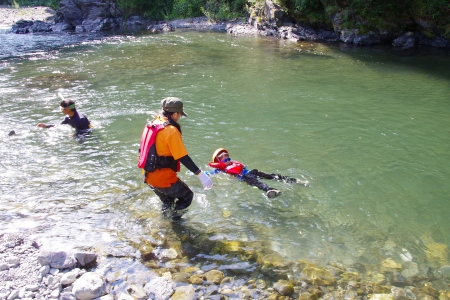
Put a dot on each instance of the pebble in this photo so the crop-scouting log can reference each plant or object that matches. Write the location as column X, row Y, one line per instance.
column 13, row 295
column 13, row 261
column 9, row 244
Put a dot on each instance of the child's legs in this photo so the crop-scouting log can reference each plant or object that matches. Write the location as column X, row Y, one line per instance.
column 253, row 181
column 278, row 177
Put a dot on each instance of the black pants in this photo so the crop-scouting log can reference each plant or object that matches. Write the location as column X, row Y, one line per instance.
column 252, row 178
column 178, row 196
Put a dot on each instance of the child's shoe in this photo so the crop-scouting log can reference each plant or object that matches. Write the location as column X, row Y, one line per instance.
column 272, row 193
column 301, row 182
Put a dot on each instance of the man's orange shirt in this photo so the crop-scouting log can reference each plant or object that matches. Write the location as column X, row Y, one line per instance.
column 168, row 143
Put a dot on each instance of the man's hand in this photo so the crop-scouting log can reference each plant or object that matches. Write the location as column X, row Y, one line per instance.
column 206, row 181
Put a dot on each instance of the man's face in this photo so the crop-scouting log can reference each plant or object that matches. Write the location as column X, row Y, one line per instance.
column 176, row 116
column 65, row 110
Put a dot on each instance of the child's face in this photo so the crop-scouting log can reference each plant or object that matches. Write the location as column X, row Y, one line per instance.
column 222, row 156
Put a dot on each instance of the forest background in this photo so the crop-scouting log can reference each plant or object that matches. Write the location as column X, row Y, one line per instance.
column 363, row 15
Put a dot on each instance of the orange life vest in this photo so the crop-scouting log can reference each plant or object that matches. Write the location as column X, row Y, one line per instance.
column 232, row 167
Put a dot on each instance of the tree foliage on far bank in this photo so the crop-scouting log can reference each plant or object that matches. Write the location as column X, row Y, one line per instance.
column 365, row 15
column 178, row 9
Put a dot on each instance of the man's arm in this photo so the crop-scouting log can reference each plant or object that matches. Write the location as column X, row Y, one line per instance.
column 42, row 125
column 189, row 164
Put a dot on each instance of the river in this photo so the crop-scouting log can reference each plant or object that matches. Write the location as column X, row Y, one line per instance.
column 369, row 127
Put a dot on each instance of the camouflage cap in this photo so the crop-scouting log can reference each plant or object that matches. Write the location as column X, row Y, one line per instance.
column 173, row 104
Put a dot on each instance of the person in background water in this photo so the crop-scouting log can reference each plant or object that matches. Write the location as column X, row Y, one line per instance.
column 74, row 118
column 221, row 162
column 174, row 194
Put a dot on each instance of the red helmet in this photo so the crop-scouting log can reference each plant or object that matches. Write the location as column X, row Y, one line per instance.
column 217, row 153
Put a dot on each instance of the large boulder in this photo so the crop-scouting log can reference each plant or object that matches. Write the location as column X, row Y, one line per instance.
column 273, row 12
column 24, row 26
column 57, row 259
column 405, row 41
column 88, row 15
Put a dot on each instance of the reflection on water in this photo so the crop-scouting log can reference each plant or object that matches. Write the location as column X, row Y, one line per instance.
column 369, row 129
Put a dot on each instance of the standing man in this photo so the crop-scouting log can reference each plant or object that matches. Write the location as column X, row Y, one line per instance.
column 74, row 118
column 170, row 151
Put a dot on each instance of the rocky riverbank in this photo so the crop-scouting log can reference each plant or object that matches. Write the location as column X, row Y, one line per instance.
column 161, row 269
column 91, row 18
column 28, row 272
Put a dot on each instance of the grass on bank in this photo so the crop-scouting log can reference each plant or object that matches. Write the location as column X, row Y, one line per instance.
column 54, row 4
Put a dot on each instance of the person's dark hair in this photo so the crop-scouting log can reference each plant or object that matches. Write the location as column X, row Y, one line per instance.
column 171, row 121
column 68, row 103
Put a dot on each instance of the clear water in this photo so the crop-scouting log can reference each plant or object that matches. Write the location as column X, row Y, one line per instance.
column 369, row 128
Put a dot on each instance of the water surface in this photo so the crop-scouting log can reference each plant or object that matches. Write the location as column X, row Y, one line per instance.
column 368, row 127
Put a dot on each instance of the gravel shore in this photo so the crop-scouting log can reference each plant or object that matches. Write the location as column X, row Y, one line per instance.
column 9, row 15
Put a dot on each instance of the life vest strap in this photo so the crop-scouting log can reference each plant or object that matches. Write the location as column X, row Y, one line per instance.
column 166, row 158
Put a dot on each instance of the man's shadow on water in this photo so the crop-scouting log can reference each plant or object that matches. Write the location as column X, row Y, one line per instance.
column 199, row 240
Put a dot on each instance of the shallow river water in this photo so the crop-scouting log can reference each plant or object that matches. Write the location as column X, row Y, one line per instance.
column 368, row 127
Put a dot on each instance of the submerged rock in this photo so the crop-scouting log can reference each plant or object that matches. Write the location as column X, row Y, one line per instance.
column 389, row 265
column 317, row 276
column 284, row 287
column 445, row 272
column 437, row 254
column 165, row 254
column 184, row 293
column 444, row 295
column 430, row 290
column 376, row 278
column 228, row 247
column 381, row 297
column 214, row 276
column 197, row 278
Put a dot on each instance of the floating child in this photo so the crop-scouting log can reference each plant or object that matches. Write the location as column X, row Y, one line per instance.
column 222, row 162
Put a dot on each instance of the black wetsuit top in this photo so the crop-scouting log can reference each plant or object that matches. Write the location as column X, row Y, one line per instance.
column 78, row 121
